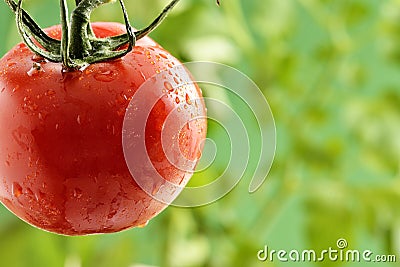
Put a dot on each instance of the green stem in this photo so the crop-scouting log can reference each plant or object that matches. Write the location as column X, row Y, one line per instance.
column 78, row 46
column 65, row 34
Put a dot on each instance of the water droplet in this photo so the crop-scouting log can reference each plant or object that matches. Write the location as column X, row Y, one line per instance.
column 105, row 76
column 143, row 225
column 121, row 98
column 168, row 86
column 50, row 92
column 57, row 126
column 77, row 193
column 188, row 100
column 136, row 51
column 78, row 119
column 7, row 163
column 15, row 89
column 28, row 192
column 156, row 188
column 176, row 80
column 163, row 56
column 177, row 100
column 16, row 189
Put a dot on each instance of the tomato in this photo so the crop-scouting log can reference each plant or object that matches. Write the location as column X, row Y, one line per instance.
column 62, row 164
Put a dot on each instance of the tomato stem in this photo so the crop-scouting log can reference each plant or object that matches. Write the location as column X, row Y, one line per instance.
column 78, row 46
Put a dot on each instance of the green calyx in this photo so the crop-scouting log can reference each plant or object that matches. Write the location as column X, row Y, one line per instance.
column 79, row 46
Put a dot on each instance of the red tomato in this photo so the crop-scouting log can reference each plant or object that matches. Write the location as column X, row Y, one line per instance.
column 62, row 165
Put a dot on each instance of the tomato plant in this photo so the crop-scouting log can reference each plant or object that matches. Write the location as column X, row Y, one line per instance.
column 62, row 111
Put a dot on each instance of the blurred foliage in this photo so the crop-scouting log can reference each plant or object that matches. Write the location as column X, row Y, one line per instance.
column 330, row 71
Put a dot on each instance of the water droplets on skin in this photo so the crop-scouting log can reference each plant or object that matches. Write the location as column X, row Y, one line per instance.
column 77, row 193
column 16, row 189
column 27, row 191
column 50, row 93
column 168, row 86
column 78, row 119
column 138, row 52
column 105, row 75
column 148, row 54
column 188, row 100
column 121, row 98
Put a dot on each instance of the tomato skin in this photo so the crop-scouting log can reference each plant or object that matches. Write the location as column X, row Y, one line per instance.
column 62, row 166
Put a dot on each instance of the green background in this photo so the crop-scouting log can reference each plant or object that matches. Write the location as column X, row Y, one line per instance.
column 330, row 71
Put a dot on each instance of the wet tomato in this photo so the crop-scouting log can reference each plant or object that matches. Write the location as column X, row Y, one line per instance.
column 62, row 162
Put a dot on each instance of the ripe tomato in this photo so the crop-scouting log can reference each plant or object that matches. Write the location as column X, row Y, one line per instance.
column 62, row 165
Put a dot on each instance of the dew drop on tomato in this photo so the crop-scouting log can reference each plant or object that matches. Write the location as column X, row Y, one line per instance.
column 106, row 76
column 188, row 100
column 16, row 189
